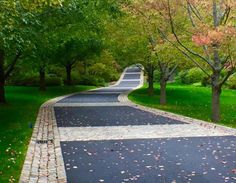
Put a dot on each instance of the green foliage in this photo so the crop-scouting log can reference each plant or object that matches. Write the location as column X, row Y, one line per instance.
column 157, row 76
column 75, row 77
column 32, row 79
column 54, row 81
column 105, row 67
column 193, row 75
column 206, row 81
column 92, row 80
column 232, row 82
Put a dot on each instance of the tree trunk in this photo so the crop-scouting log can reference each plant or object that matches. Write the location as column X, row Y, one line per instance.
column 68, row 75
column 216, row 87
column 215, row 104
column 150, row 82
column 215, row 100
column 162, row 91
column 2, row 78
column 42, row 84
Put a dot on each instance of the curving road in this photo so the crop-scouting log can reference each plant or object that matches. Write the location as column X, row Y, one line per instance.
column 105, row 140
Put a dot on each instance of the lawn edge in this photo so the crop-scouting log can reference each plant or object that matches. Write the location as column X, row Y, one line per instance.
column 124, row 98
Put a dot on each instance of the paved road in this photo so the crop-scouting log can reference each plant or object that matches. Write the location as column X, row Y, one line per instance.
column 104, row 140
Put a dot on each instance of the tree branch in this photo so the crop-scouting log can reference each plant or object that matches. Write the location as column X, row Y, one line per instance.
column 195, row 11
column 229, row 73
column 172, row 72
column 11, row 66
column 184, row 53
column 180, row 43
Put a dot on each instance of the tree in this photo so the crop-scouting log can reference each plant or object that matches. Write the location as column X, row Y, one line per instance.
column 214, row 33
column 74, row 50
column 18, row 20
column 168, row 60
column 156, row 57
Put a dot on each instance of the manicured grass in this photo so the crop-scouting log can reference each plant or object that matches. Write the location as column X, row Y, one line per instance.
column 15, row 128
column 190, row 101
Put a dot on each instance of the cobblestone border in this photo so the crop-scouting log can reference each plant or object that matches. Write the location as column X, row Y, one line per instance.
column 43, row 161
column 123, row 98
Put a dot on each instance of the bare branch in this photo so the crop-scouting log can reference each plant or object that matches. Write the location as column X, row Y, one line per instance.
column 229, row 73
column 225, row 16
column 195, row 11
column 190, row 14
column 173, row 70
column 11, row 66
column 184, row 53
column 180, row 43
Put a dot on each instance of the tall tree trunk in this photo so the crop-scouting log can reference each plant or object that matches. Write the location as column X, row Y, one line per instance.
column 162, row 91
column 68, row 75
column 150, row 82
column 215, row 104
column 42, row 84
column 2, row 78
column 216, row 87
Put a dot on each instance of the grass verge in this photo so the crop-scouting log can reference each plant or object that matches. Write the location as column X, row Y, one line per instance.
column 191, row 101
column 15, row 128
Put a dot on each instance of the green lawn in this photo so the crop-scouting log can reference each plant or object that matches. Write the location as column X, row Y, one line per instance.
column 190, row 101
column 15, row 119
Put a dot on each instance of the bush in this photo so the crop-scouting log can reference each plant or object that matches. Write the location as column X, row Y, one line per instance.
column 75, row 78
column 181, row 77
column 195, row 75
column 157, row 76
column 33, row 80
column 206, row 81
column 191, row 76
column 53, row 81
column 232, row 82
column 92, row 80
column 100, row 70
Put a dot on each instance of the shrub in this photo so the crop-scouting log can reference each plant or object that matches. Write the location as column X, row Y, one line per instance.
column 181, row 77
column 75, row 78
column 232, row 82
column 53, row 81
column 92, row 80
column 33, row 80
column 195, row 75
column 206, row 81
column 100, row 70
column 190, row 76
column 156, row 76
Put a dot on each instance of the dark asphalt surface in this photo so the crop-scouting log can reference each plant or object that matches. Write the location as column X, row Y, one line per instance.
column 90, row 98
column 107, row 116
column 135, row 69
column 131, row 76
column 181, row 160
column 128, row 84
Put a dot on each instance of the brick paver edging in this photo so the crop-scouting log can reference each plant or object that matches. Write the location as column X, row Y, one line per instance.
column 44, row 162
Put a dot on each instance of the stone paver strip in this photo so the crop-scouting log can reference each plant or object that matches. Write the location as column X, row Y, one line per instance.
column 135, row 132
